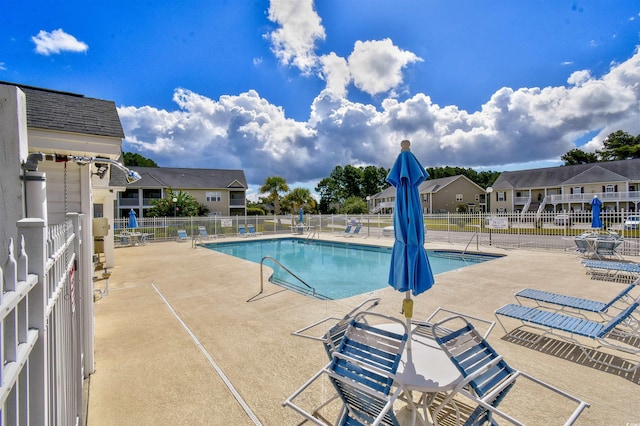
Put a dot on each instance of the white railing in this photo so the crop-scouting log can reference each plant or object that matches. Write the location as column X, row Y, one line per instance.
column 529, row 230
column 624, row 196
column 43, row 330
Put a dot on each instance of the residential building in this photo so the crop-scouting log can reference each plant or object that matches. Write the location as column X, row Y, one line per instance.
column 569, row 188
column 222, row 191
column 440, row 195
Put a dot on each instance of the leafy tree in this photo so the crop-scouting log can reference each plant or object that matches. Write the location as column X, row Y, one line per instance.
column 135, row 159
column 620, row 145
column 328, row 189
column 578, row 156
column 374, row 180
column 274, row 186
column 300, row 198
column 354, row 205
column 350, row 181
column 186, row 205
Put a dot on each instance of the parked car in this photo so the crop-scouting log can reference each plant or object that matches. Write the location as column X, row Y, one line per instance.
column 562, row 219
column 632, row 222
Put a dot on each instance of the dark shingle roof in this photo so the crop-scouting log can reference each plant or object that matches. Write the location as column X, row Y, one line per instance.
column 608, row 171
column 184, row 178
column 70, row 112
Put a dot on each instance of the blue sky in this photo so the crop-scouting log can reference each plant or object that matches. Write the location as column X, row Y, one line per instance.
column 294, row 87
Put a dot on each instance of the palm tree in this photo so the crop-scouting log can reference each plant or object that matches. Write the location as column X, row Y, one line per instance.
column 274, row 185
column 301, row 198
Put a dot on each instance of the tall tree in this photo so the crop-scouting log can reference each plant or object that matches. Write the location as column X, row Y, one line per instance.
column 135, row 159
column 274, row 186
column 374, row 180
column 620, row 145
column 578, row 156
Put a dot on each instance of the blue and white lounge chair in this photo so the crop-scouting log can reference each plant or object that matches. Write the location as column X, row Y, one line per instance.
column 347, row 230
column 356, row 231
column 203, row 234
column 487, row 378
column 560, row 302
column 242, row 231
column 251, row 231
column 362, row 370
column 182, row 235
column 610, row 270
column 612, row 334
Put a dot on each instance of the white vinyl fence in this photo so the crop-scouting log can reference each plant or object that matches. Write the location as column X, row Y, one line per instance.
column 531, row 230
column 44, row 326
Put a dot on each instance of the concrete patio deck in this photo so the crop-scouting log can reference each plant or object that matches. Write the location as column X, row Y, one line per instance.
column 182, row 326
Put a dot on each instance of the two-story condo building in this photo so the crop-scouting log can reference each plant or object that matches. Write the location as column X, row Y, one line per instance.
column 222, row 191
column 569, row 188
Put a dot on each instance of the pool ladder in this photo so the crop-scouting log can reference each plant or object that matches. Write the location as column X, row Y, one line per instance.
column 313, row 290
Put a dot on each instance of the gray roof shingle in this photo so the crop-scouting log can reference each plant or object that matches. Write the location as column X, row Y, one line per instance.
column 70, row 112
column 608, row 171
column 185, row 178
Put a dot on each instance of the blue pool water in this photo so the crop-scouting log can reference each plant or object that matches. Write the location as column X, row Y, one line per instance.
column 335, row 270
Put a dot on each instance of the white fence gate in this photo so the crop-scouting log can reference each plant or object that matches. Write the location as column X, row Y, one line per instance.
column 42, row 309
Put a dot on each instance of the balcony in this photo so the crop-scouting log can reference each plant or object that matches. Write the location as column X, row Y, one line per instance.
column 129, row 202
column 627, row 196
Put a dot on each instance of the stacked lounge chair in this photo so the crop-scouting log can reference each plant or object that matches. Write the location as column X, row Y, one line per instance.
column 609, row 270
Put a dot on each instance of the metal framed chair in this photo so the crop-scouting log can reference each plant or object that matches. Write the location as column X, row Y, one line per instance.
column 487, row 378
column 361, row 370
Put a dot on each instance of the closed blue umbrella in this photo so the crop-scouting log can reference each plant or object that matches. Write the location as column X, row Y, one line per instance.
column 410, row 270
column 301, row 218
column 595, row 212
column 133, row 222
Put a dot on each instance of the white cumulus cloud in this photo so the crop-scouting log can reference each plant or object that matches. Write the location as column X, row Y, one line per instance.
column 300, row 27
column 517, row 125
column 376, row 66
column 57, row 41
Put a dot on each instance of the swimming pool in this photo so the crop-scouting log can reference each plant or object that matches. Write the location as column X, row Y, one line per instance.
column 335, row 270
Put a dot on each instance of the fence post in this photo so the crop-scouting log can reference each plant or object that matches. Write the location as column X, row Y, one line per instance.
column 35, row 237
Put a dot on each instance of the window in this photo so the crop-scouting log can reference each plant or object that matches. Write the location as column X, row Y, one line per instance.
column 214, row 197
column 501, row 196
column 459, row 197
column 609, row 188
column 98, row 210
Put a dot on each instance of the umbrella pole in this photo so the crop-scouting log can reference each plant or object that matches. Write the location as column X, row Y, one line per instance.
column 407, row 309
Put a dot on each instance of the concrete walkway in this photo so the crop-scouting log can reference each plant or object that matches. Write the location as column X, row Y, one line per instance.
column 184, row 338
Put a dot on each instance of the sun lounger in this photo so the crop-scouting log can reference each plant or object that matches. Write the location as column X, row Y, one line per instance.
column 561, row 302
column 611, row 334
column 610, row 270
column 242, row 231
column 251, row 231
column 182, row 236
column 356, row 231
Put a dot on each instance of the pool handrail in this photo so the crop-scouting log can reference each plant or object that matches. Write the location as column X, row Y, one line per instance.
column 286, row 269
